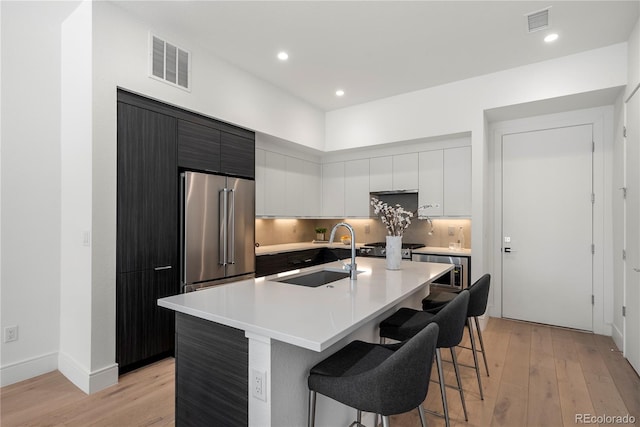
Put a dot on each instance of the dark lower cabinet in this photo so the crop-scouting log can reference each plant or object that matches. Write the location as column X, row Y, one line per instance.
column 212, row 363
column 285, row 261
column 144, row 330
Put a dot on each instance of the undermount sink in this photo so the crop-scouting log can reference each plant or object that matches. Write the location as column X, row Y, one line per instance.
column 316, row 278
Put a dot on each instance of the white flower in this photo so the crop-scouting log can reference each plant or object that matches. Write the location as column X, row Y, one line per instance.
column 395, row 218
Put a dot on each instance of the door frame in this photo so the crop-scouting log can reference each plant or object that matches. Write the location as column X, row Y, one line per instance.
column 601, row 118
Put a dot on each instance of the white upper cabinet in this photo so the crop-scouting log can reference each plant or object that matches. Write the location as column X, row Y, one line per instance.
column 431, row 186
column 303, row 188
column 260, row 183
column 445, row 182
column 457, row 181
column 333, row 190
column 356, row 187
column 381, row 173
column 405, row 172
column 275, row 181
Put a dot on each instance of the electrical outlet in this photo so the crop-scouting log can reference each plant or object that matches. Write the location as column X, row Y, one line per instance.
column 452, row 231
column 11, row 333
column 367, row 229
column 259, row 384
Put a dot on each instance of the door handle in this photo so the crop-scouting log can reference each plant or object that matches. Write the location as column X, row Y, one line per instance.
column 507, row 250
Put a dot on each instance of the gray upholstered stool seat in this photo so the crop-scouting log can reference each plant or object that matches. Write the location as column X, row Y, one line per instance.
column 478, row 297
column 406, row 322
column 382, row 379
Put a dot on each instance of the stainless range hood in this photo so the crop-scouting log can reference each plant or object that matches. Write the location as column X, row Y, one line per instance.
column 408, row 199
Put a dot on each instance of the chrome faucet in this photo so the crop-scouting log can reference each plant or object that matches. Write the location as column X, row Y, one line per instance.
column 353, row 267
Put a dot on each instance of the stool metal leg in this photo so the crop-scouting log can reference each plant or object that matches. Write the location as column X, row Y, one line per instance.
column 423, row 421
column 385, row 421
column 475, row 356
column 457, row 370
column 311, row 422
column 484, row 355
column 443, row 392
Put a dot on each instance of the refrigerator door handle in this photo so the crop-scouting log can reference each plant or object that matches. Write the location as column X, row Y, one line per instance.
column 231, row 227
column 223, row 226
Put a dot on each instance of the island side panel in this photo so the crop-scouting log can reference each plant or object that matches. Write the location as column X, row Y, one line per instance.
column 290, row 369
column 211, row 373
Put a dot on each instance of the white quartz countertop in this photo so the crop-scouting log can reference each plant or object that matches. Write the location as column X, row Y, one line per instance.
column 434, row 250
column 289, row 247
column 312, row 318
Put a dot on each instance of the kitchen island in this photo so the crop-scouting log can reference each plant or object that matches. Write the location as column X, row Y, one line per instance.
column 244, row 349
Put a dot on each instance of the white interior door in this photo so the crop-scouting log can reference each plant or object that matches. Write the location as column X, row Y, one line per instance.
column 632, row 263
column 547, row 216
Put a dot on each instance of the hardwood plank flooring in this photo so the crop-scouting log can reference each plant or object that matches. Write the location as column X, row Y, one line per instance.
column 539, row 376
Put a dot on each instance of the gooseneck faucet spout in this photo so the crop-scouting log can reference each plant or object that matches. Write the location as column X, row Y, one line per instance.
column 353, row 267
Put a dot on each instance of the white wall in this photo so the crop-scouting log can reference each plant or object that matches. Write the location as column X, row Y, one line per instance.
column 30, row 193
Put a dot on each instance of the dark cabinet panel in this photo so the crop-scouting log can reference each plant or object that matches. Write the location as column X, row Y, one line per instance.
column 285, row 261
column 212, row 364
column 198, row 147
column 237, row 155
column 335, row 254
column 143, row 329
column 147, row 209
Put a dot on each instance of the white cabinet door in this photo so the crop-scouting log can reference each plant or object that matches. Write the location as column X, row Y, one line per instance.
column 356, row 174
column 295, row 192
column 260, row 184
column 381, row 173
column 430, row 185
column 457, row 181
column 275, row 180
column 333, row 190
column 305, row 200
column 405, row 172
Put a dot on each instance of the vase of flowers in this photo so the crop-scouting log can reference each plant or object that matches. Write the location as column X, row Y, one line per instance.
column 396, row 220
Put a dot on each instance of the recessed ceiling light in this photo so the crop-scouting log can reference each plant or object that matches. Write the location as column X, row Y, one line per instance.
column 339, row 92
column 551, row 38
column 283, row 56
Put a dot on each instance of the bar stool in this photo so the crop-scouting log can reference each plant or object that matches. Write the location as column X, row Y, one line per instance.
column 406, row 322
column 383, row 379
column 478, row 296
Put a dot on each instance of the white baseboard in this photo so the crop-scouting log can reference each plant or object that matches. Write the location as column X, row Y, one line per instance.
column 25, row 369
column 89, row 382
column 618, row 337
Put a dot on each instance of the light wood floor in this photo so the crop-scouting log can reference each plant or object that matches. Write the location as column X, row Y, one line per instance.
column 540, row 376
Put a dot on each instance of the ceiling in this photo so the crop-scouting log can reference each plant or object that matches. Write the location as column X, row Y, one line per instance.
column 377, row 49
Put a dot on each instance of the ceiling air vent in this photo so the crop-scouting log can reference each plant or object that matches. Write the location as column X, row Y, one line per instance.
column 538, row 20
column 169, row 63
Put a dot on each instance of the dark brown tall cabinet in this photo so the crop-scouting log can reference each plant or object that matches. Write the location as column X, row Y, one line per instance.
column 156, row 142
column 147, row 233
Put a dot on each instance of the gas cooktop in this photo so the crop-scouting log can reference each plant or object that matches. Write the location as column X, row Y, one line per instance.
column 378, row 249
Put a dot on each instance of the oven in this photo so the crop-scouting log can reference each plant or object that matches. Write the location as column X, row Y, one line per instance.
column 458, row 278
column 379, row 249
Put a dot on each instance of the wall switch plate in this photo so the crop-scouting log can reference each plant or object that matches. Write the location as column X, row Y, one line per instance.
column 367, row 229
column 258, row 384
column 11, row 333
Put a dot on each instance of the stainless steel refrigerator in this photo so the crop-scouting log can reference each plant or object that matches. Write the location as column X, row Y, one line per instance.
column 217, row 230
